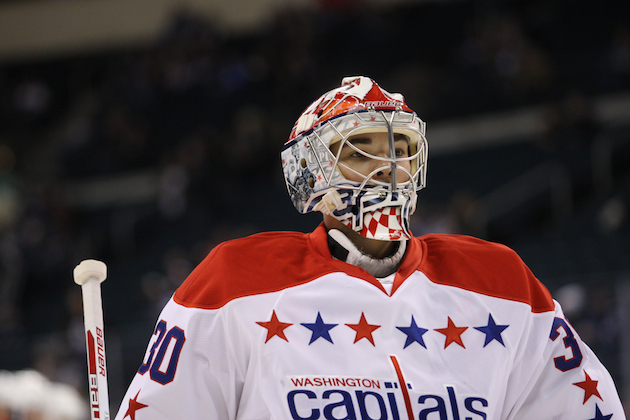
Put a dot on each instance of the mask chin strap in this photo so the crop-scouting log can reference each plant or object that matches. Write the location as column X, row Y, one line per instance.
column 329, row 202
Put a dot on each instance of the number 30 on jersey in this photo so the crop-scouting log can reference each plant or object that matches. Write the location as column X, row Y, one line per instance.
column 161, row 362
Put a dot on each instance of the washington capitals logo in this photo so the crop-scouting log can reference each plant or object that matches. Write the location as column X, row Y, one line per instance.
column 367, row 398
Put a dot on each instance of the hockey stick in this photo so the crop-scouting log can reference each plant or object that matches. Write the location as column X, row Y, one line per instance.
column 89, row 274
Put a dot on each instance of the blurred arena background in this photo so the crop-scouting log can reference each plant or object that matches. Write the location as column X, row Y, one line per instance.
column 144, row 132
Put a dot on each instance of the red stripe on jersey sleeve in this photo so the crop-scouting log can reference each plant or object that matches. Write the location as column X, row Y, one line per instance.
column 483, row 267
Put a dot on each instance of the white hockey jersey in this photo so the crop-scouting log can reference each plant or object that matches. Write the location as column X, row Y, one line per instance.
column 272, row 327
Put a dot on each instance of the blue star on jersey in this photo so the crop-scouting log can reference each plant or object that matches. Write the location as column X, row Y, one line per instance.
column 320, row 329
column 414, row 334
column 599, row 415
column 492, row 331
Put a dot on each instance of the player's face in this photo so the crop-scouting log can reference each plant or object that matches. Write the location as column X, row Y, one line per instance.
column 376, row 144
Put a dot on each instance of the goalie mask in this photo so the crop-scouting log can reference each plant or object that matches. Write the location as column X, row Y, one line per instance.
column 375, row 207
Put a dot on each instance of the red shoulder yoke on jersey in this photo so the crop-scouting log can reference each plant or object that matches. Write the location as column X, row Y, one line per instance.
column 483, row 267
column 273, row 261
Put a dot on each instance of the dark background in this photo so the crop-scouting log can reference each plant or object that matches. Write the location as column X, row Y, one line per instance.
column 146, row 156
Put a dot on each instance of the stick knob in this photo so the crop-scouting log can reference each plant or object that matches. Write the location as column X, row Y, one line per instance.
column 88, row 269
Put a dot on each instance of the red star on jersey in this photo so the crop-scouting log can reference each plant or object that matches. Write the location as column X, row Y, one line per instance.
column 275, row 327
column 453, row 333
column 364, row 330
column 590, row 388
column 134, row 406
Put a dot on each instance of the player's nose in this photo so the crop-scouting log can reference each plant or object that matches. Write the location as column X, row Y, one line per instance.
column 383, row 174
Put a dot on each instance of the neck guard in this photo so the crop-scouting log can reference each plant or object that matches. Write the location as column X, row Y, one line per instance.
column 342, row 248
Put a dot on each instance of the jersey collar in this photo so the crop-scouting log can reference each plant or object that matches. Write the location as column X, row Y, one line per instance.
column 410, row 263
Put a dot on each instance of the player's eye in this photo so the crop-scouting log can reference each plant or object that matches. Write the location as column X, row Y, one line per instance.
column 402, row 151
column 357, row 155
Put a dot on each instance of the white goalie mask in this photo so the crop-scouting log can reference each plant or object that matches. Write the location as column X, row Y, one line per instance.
column 314, row 174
